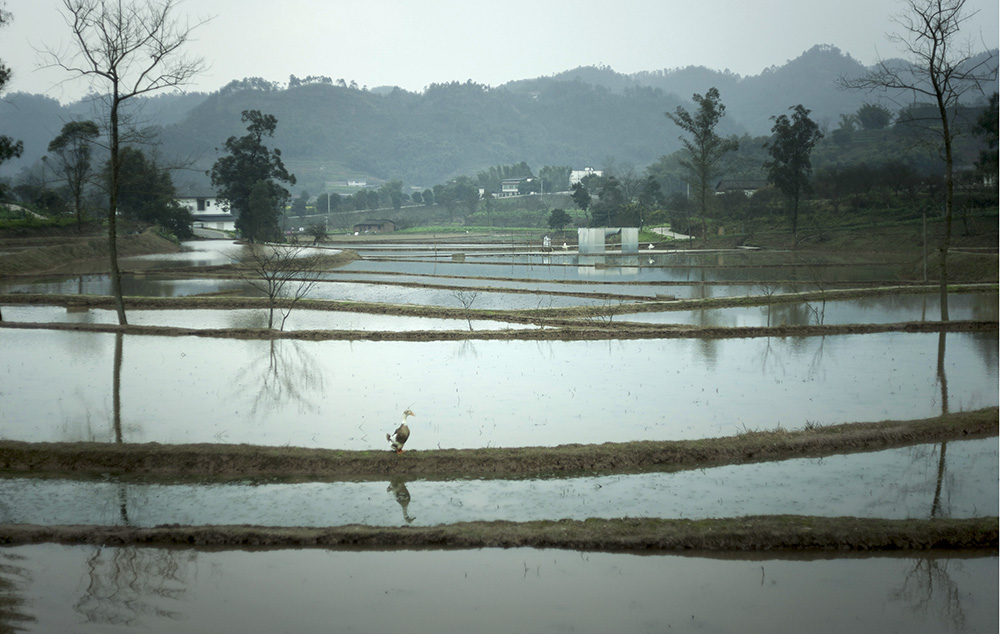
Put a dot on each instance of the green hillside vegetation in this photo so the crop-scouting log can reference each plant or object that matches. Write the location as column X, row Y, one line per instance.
column 579, row 117
column 875, row 160
column 449, row 130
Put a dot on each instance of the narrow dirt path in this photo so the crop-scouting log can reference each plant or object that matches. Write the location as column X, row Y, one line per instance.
column 241, row 461
column 771, row 534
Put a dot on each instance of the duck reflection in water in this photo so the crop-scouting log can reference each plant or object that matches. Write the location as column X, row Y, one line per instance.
column 398, row 488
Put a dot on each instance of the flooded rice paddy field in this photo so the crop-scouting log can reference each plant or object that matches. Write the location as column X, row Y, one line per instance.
column 298, row 319
column 889, row 309
column 983, row 306
column 59, row 386
column 378, row 275
column 81, row 386
column 87, row 589
column 902, row 483
column 397, row 289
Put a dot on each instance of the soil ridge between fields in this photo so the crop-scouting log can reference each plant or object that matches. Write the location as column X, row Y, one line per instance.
column 235, row 461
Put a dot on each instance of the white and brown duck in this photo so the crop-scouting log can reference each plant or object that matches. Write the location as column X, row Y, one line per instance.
column 398, row 438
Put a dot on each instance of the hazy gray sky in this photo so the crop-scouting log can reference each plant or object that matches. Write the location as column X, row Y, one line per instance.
column 414, row 43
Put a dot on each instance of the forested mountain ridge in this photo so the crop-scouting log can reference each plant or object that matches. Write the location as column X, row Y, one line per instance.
column 810, row 79
column 450, row 129
column 328, row 132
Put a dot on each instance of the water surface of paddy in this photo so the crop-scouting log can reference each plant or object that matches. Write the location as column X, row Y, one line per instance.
column 891, row 484
column 59, row 386
column 99, row 589
column 886, row 309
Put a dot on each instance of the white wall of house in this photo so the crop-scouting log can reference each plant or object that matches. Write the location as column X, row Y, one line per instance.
column 509, row 186
column 204, row 205
column 575, row 176
column 220, row 225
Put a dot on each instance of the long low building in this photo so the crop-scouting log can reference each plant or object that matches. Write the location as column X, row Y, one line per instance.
column 375, row 226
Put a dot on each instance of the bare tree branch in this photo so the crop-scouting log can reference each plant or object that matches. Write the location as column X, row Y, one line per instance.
column 129, row 48
column 943, row 69
column 284, row 274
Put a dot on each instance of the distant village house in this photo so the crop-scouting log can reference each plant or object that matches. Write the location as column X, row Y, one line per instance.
column 509, row 187
column 747, row 187
column 375, row 226
column 575, row 176
column 208, row 211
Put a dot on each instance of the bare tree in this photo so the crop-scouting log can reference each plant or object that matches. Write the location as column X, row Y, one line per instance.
column 942, row 68
column 128, row 48
column 283, row 273
column 466, row 298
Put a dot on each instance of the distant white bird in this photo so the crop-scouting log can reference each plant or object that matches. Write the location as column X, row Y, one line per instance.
column 650, row 246
column 401, row 434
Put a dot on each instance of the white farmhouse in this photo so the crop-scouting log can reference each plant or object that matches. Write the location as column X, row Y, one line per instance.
column 208, row 211
column 510, row 186
column 575, row 176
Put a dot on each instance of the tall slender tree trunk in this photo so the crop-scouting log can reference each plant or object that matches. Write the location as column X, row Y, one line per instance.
column 949, row 193
column 116, row 276
column 704, row 204
column 795, row 220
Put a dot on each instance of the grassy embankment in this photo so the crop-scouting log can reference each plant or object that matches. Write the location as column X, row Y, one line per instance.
column 222, row 461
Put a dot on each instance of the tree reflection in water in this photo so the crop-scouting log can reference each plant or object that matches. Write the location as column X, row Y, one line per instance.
column 943, row 382
column 929, row 589
column 286, row 374
column 126, row 584
column 116, row 418
column 13, row 581
column 116, row 377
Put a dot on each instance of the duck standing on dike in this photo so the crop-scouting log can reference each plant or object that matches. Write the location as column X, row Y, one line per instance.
column 401, row 434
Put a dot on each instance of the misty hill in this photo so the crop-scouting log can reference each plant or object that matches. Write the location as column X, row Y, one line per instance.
column 328, row 133
column 811, row 79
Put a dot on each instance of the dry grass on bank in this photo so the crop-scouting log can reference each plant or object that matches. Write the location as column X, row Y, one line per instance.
column 772, row 534
column 223, row 462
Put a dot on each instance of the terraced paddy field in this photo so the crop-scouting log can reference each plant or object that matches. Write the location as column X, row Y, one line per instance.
column 725, row 440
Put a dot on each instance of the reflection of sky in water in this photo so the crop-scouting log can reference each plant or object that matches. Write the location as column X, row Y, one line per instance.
column 340, row 394
column 887, row 309
column 711, row 274
column 491, row 590
column 725, row 266
column 58, row 386
column 635, row 269
column 891, row 484
column 391, row 290
column 131, row 285
column 194, row 253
